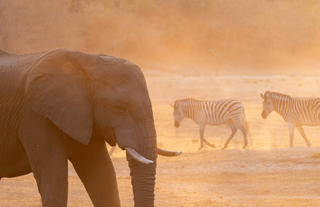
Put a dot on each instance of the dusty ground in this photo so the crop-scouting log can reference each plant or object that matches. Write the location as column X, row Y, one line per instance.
column 268, row 174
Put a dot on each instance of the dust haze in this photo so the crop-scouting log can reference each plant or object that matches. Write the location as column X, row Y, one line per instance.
column 209, row 49
column 179, row 35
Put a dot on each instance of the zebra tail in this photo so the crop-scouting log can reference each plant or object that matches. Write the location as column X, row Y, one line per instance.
column 244, row 117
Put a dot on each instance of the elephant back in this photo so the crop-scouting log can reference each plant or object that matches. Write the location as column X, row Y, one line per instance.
column 13, row 72
column 3, row 53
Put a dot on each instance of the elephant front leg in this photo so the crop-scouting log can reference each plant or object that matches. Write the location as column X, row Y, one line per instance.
column 47, row 159
column 95, row 169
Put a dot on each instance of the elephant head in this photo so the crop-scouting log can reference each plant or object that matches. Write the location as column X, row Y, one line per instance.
column 100, row 96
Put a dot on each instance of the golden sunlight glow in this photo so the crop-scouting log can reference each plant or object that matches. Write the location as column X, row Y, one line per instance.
column 209, row 50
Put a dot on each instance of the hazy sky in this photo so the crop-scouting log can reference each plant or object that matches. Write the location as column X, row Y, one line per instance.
column 176, row 32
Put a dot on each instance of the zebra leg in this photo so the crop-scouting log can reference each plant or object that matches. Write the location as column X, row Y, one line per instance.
column 204, row 140
column 238, row 123
column 244, row 132
column 300, row 129
column 233, row 132
column 291, row 134
column 201, row 137
column 208, row 143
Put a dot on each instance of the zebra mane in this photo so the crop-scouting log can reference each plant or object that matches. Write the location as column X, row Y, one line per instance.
column 275, row 94
column 185, row 100
column 189, row 99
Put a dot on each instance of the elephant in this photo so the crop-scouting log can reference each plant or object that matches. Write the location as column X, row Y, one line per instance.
column 64, row 105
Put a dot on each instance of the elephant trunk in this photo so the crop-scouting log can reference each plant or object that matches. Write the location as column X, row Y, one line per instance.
column 143, row 176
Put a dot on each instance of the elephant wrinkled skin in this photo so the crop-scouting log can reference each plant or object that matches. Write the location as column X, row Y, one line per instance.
column 63, row 105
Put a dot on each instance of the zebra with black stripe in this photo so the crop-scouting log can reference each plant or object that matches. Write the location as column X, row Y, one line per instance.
column 296, row 111
column 230, row 112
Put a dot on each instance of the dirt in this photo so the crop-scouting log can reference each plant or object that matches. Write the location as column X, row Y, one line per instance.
column 267, row 174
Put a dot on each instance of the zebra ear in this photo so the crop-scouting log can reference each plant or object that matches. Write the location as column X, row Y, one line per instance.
column 262, row 96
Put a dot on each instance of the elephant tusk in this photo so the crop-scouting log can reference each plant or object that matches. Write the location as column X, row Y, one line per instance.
column 168, row 153
column 135, row 155
column 111, row 150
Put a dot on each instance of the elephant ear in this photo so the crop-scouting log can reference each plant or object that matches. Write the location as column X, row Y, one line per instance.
column 57, row 88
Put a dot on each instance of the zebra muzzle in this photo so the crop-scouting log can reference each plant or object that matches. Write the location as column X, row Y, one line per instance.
column 176, row 124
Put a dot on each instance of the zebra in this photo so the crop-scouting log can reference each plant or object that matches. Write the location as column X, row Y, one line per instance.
column 296, row 111
column 230, row 112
